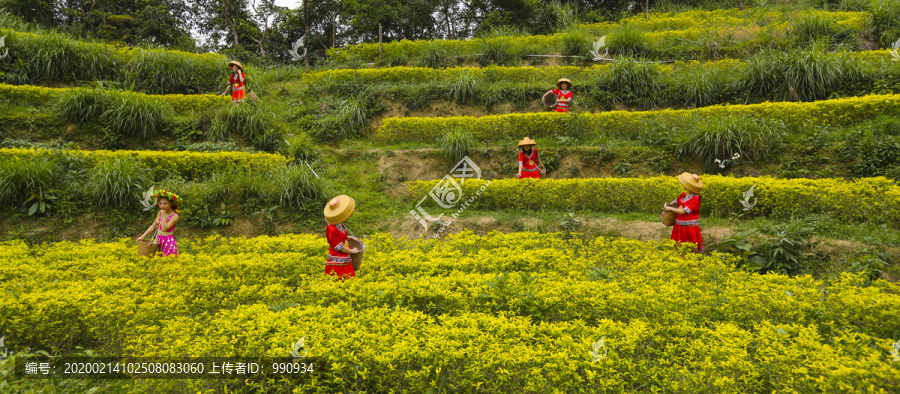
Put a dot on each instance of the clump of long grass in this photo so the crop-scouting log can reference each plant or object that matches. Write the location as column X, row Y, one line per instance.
column 463, row 87
column 697, row 86
column 455, row 144
column 633, row 80
column 80, row 105
column 627, row 39
column 125, row 113
column 295, row 185
column 722, row 137
column 499, row 47
column 137, row 114
column 170, row 72
column 21, row 176
column 812, row 73
column 434, row 55
column 349, row 117
column 248, row 120
column 576, row 42
column 118, row 182
column 810, row 27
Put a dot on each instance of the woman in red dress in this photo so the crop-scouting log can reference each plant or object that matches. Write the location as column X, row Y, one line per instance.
column 687, row 215
column 563, row 95
column 236, row 82
column 529, row 159
column 338, row 262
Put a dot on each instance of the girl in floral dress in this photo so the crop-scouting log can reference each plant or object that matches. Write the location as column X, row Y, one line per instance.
column 165, row 222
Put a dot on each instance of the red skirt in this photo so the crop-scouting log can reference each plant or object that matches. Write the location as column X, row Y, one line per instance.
column 688, row 234
column 340, row 270
column 237, row 96
column 531, row 174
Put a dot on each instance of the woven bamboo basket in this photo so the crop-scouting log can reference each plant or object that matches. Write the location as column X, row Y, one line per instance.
column 549, row 99
column 357, row 257
column 147, row 248
column 668, row 217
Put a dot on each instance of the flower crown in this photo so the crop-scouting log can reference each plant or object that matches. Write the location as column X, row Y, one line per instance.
column 169, row 196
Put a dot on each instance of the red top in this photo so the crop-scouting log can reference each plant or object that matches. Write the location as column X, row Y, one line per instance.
column 236, row 82
column 336, row 234
column 561, row 106
column 691, row 205
column 529, row 162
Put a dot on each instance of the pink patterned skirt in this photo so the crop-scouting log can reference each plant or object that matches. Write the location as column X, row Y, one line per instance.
column 167, row 245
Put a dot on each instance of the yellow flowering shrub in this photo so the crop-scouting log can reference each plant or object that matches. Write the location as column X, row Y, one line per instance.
column 188, row 164
column 39, row 96
column 497, row 313
column 859, row 200
column 627, row 123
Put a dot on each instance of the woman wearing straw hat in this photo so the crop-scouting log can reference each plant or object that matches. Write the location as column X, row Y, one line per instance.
column 529, row 159
column 236, row 82
column 339, row 262
column 564, row 96
column 687, row 215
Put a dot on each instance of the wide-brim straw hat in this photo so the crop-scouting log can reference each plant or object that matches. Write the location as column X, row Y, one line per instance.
column 339, row 209
column 691, row 182
column 236, row 63
column 561, row 80
column 527, row 141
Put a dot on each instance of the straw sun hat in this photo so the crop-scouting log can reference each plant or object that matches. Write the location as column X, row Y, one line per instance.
column 237, row 63
column 561, row 80
column 339, row 209
column 691, row 182
column 527, row 141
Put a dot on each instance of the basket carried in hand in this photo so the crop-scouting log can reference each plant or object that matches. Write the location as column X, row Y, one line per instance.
column 668, row 217
column 147, row 248
column 356, row 257
column 549, row 99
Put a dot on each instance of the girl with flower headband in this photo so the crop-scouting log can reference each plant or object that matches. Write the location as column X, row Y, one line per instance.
column 687, row 215
column 167, row 202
